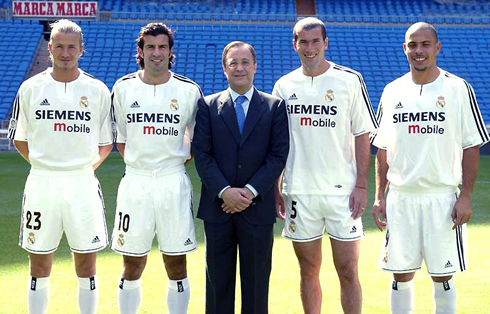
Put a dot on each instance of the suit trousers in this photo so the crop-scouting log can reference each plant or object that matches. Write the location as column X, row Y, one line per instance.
column 254, row 243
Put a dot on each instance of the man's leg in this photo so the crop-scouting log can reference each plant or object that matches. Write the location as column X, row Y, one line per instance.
column 88, row 287
column 444, row 295
column 255, row 251
column 346, row 257
column 309, row 256
column 178, row 292
column 38, row 290
column 402, row 294
column 129, row 296
column 221, row 254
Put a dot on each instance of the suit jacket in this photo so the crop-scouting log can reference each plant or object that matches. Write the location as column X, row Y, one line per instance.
column 223, row 157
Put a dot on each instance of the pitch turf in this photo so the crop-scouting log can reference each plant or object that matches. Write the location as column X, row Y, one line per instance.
column 472, row 286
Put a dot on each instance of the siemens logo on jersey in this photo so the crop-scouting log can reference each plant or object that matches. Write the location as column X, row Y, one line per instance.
column 421, row 117
column 316, row 110
column 151, row 130
column 62, row 127
column 312, row 109
column 63, row 115
column 153, row 118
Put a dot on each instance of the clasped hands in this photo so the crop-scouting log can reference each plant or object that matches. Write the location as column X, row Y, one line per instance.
column 236, row 199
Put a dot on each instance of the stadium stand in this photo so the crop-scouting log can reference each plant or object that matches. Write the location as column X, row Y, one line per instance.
column 364, row 35
column 402, row 11
column 17, row 47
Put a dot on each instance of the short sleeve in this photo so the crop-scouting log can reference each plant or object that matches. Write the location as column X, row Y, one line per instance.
column 378, row 136
column 105, row 134
column 18, row 127
column 119, row 122
column 474, row 129
column 362, row 115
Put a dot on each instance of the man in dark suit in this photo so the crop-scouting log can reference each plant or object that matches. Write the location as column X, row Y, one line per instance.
column 240, row 145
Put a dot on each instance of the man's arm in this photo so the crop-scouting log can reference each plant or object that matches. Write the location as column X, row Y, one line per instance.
column 280, row 205
column 104, row 151
column 379, row 206
column 121, row 147
column 358, row 197
column 266, row 176
column 204, row 159
column 23, row 149
column 462, row 208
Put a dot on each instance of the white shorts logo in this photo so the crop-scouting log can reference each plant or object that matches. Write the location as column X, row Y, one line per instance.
column 121, row 241
column 32, row 238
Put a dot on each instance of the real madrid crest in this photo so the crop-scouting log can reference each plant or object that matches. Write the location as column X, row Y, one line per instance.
column 441, row 102
column 13, row 124
column 174, row 104
column 329, row 95
column 32, row 238
column 292, row 227
column 84, row 102
column 121, row 241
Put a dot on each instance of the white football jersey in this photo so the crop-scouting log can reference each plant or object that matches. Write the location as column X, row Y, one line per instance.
column 63, row 123
column 325, row 114
column 424, row 130
column 156, row 122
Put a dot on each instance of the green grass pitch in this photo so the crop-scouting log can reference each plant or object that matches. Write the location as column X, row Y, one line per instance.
column 473, row 285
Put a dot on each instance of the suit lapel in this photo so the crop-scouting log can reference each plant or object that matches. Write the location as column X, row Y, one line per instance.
column 255, row 110
column 226, row 110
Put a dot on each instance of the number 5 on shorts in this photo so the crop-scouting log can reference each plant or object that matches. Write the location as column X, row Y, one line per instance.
column 293, row 210
column 123, row 222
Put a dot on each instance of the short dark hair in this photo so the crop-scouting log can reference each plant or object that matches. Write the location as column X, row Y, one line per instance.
column 155, row 29
column 308, row 24
column 235, row 44
column 421, row 26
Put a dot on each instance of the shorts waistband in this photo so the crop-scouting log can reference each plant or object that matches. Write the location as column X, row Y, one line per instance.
column 428, row 191
column 62, row 173
column 157, row 172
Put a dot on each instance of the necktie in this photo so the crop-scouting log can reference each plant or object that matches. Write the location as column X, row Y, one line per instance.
column 240, row 113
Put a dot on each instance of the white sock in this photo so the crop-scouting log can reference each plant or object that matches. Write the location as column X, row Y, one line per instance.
column 402, row 297
column 38, row 295
column 129, row 296
column 88, row 295
column 445, row 297
column 178, row 294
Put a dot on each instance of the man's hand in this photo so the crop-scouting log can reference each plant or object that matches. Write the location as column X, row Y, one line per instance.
column 379, row 208
column 236, row 199
column 280, row 205
column 358, row 202
column 462, row 210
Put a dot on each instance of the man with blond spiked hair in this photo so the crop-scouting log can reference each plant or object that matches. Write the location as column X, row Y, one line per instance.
column 61, row 125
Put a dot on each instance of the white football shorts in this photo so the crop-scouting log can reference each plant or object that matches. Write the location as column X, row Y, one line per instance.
column 420, row 228
column 154, row 202
column 308, row 217
column 57, row 201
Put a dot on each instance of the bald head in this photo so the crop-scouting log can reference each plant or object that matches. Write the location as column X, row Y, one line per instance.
column 421, row 26
column 308, row 24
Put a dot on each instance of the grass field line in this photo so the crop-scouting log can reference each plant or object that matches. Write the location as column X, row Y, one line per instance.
column 473, row 285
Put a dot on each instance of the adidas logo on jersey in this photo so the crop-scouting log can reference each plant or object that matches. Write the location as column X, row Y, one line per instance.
column 354, row 229
column 96, row 239
column 399, row 106
column 448, row 264
column 293, row 97
column 187, row 242
column 45, row 102
column 135, row 105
